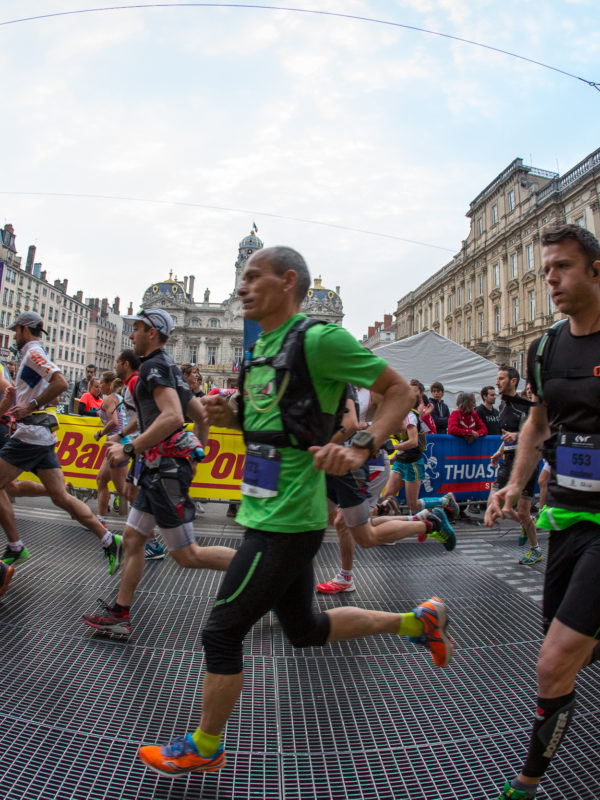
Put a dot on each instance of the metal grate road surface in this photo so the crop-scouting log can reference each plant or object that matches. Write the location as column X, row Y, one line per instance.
column 370, row 719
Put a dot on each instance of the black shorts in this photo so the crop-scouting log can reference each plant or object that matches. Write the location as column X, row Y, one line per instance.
column 164, row 492
column 30, row 457
column 503, row 477
column 572, row 588
column 269, row 571
column 348, row 490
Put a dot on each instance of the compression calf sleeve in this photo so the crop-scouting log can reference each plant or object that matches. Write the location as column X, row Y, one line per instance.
column 552, row 719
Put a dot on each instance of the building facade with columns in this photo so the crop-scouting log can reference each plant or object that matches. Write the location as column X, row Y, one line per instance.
column 211, row 334
column 492, row 297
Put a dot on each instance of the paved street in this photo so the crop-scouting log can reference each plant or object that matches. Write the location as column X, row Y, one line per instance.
column 366, row 719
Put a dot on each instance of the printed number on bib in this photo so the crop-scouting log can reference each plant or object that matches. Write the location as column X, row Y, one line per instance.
column 261, row 471
column 578, row 461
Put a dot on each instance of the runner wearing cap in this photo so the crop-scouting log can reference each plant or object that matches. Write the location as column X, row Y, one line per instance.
column 31, row 447
column 164, row 454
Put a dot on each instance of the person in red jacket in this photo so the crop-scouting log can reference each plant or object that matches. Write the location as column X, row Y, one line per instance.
column 464, row 420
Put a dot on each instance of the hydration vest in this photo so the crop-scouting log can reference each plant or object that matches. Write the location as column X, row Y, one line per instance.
column 304, row 422
column 543, row 360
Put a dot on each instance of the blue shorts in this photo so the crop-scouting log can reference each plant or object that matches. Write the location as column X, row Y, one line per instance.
column 415, row 471
column 30, row 457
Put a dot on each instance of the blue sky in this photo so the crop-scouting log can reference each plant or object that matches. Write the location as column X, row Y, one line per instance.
column 277, row 113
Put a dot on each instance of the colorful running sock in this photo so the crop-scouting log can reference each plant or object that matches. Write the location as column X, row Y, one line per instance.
column 410, row 625
column 206, row 743
column 345, row 574
column 421, row 537
column 15, row 546
column 106, row 539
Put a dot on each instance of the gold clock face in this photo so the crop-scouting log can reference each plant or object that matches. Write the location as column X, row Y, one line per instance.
column 174, row 289
column 155, row 289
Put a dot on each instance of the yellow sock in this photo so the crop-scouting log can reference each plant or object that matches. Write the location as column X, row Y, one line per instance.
column 207, row 745
column 410, row 625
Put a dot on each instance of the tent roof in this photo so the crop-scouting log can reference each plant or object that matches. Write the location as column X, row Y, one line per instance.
column 431, row 357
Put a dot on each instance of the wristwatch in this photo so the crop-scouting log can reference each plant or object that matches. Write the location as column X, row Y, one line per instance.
column 34, row 404
column 365, row 441
column 129, row 449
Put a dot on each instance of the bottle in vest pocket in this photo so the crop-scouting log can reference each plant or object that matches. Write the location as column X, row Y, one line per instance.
column 261, row 470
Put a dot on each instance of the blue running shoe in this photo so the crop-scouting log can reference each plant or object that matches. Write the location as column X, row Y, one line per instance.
column 442, row 530
column 154, row 550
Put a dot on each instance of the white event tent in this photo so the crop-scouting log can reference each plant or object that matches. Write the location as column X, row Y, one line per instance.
column 431, row 357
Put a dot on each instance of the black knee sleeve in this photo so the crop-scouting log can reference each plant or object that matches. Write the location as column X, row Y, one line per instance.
column 223, row 651
column 552, row 720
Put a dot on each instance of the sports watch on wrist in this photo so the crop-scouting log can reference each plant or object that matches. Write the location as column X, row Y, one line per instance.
column 365, row 441
column 129, row 449
column 34, row 404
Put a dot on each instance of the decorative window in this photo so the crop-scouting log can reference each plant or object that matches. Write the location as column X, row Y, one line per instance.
column 511, row 200
column 213, row 323
column 549, row 304
column 459, row 296
column 469, row 291
column 449, row 303
column 497, row 319
column 531, row 303
column 212, row 354
column 494, row 214
column 480, row 321
column 480, row 226
column 195, row 323
column 513, row 265
column 469, row 329
column 496, row 271
column 459, row 332
column 515, row 310
column 529, row 256
column 193, row 355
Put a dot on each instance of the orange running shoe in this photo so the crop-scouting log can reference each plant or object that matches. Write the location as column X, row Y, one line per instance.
column 6, row 573
column 433, row 615
column 180, row 757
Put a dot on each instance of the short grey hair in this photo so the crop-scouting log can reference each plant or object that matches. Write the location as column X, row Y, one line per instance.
column 464, row 399
column 284, row 258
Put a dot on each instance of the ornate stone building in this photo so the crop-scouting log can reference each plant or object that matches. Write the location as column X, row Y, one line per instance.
column 211, row 335
column 492, row 296
column 323, row 303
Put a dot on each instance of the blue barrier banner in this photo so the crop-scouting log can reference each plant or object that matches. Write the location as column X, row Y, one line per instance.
column 452, row 465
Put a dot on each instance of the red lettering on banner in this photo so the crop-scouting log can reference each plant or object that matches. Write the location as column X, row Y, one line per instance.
column 464, row 487
column 210, row 453
column 223, row 465
column 88, row 456
column 239, row 467
column 67, row 450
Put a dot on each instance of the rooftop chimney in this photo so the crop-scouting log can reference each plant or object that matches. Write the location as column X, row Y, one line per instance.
column 387, row 322
column 30, row 259
column 116, row 305
column 104, row 306
column 371, row 331
column 130, row 309
column 191, row 286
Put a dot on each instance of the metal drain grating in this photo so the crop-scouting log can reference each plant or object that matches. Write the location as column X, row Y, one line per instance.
column 364, row 719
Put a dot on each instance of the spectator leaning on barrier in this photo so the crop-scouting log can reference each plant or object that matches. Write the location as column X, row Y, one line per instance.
column 90, row 402
column 489, row 415
column 81, row 387
column 440, row 411
column 464, row 420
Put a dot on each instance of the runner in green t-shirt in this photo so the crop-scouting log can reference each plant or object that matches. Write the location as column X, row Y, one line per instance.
column 284, row 508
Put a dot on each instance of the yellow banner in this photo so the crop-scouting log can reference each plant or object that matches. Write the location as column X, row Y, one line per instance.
column 218, row 477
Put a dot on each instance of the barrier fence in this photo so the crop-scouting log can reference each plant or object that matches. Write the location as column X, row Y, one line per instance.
column 451, row 465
